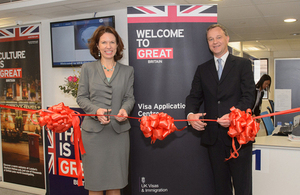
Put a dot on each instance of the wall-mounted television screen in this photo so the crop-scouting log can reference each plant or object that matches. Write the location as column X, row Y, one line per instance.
column 69, row 40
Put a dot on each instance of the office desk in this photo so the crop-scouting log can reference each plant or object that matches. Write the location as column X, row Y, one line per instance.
column 276, row 166
column 277, row 141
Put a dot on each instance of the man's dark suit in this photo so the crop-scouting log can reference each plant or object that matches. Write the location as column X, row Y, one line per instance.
column 235, row 88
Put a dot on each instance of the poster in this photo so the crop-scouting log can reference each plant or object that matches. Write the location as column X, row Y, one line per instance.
column 283, row 99
column 166, row 44
column 20, row 86
column 63, row 177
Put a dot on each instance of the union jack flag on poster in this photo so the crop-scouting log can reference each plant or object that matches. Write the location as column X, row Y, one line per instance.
column 170, row 14
column 19, row 33
column 52, row 167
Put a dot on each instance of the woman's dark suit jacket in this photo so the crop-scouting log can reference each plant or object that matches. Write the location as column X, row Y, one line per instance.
column 256, row 110
column 235, row 88
column 94, row 92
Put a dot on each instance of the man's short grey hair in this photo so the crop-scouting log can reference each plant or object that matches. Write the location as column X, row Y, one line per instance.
column 217, row 25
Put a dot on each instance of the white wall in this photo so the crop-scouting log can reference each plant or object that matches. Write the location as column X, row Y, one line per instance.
column 53, row 77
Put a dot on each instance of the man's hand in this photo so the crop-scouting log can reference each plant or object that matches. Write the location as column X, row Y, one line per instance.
column 195, row 122
column 224, row 121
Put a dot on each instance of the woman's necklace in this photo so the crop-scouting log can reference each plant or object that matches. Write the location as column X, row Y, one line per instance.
column 108, row 69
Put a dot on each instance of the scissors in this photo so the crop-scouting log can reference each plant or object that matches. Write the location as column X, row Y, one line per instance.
column 202, row 117
column 107, row 118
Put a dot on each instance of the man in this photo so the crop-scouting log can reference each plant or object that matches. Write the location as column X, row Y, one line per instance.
column 236, row 88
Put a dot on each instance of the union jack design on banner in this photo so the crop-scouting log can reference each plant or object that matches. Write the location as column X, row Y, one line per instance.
column 52, row 165
column 168, row 14
column 19, row 33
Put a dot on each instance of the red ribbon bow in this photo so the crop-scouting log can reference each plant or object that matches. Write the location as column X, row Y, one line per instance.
column 158, row 126
column 243, row 127
column 60, row 118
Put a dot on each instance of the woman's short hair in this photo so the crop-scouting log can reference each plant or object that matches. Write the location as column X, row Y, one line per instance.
column 94, row 40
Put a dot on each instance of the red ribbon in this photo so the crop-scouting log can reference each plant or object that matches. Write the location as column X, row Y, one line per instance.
column 242, row 127
column 60, row 118
column 158, row 126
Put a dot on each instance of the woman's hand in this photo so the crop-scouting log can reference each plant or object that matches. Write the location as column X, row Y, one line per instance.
column 103, row 119
column 122, row 115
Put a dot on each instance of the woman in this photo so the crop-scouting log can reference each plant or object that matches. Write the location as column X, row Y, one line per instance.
column 264, row 83
column 106, row 87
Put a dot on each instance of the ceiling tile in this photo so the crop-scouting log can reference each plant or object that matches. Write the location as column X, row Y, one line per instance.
column 275, row 9
column 240, row 11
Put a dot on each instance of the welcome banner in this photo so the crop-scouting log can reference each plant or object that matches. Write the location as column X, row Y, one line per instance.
column 166, row 44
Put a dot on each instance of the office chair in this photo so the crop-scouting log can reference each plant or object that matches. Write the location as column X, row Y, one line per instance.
column 272, row 105
column 267, row 123
column 271, row 110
